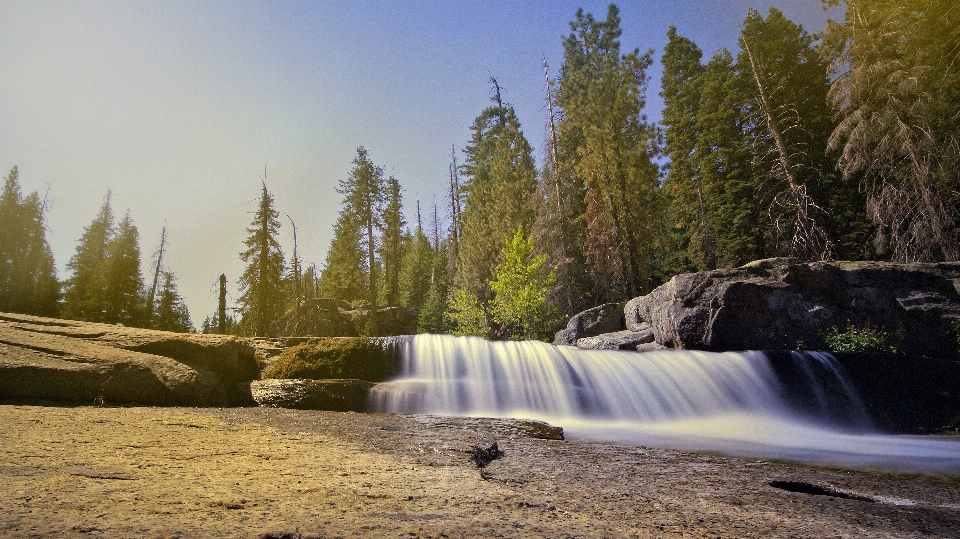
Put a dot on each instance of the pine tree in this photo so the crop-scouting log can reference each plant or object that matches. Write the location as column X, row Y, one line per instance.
column 123, row 299
column 261, row 287
column 84, row 296
column 519, row 308
column 392, row 242
column 345, row 271
column 171, row 312
column 499, row 191
column 28, row 279
column 601, row 95
column 895, row 87
column 433, row 317
column 417, row 272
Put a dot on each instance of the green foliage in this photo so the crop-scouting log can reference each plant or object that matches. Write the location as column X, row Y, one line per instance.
column 28, row 278
column 83, row 298
column 500, row 185
column 466, row 315
column 392, row 243
column 416, row 274
column 601, row 94
column 853, row 339
column 171, row 312
column 123, row 299
column 896, row 93
column 522, row 282
column 261, row 283
column 337, row 357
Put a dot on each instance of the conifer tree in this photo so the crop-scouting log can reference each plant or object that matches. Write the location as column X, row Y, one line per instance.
column 261, row 287
column 84, row 296
column 499, row 190
column 171, row 312
column 28, row 279
column 895, row 87
column 418, row 271
column 433, row 316
column 601, row 95
column 123, row 301
column 345, row 272
column 392, row 242
column 519, row 308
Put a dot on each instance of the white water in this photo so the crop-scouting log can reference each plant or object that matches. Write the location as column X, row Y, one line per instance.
column 729, row 403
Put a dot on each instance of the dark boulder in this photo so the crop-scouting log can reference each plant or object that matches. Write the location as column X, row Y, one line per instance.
column 782, row 304
column 606, row 318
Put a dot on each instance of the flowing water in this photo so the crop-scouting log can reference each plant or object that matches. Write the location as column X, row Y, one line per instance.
column 731, row 403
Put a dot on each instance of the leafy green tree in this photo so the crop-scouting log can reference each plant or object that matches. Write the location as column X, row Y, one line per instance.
column 500, row 184
column 467, row 316
column 84, row 295
column 261, row 287
column 123, row 298
column 601, row 95
column 171, row 312
column 895, row 87
column 28, row 279
column 522, row 283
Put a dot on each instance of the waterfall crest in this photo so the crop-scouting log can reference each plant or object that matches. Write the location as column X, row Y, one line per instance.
column 735, row 403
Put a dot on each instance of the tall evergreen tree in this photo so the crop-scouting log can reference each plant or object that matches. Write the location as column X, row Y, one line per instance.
column 601, row 94
column 392, row 241
column 123, row 299
column 895, row 87
column 418, row 271
column 171, row 312
column 28, row 279
column 345, row 272
column 261, row 287
column 499, row 190
column 84, row 296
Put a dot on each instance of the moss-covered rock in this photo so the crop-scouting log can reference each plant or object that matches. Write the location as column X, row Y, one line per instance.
column 324, row 358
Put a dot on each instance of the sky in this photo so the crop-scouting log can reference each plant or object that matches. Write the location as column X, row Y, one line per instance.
column 178, row 108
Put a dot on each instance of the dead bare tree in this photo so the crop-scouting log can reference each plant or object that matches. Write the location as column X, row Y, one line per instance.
column 809, row 240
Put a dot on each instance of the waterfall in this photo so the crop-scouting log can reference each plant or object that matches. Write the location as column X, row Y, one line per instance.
column 734, row 403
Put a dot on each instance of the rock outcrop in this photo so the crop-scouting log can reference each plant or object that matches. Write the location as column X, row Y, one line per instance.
column 781, row 304
column 332, row 395
column 82, row 362
column 606, row 318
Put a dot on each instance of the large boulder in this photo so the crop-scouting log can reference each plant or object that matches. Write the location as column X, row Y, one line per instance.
column 606, row 318
column 782, row 304
column 82, row 362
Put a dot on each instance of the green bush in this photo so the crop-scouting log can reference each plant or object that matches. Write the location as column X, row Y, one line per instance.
column 337, row 357
column 853, row 339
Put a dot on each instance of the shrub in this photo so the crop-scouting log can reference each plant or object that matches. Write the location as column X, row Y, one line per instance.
column 853, row 339
column 324, row 358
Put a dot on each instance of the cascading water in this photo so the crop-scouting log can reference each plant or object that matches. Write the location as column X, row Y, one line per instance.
column 726, row 402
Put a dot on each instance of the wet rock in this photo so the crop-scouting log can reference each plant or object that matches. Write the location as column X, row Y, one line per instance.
column 331, row 395
column 606, row 318
column 619, row 340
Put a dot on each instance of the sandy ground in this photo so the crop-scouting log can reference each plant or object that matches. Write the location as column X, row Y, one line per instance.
column 163, row 472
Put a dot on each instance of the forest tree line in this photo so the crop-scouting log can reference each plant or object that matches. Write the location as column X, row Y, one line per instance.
column 840, row 145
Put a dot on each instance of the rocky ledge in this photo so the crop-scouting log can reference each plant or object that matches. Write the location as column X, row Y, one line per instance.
column 781, row 304
column 88, row 363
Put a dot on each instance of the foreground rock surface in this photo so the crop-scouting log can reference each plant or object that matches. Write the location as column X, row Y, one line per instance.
column 255, row 472
column 82, row 362
column 781, row 304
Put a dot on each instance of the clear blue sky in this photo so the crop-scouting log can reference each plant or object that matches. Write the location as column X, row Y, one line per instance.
column 177, row 106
